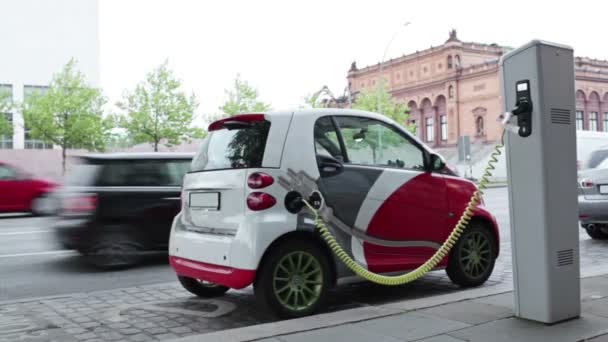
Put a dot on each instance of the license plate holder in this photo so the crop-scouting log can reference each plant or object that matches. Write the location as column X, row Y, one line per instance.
column 204, row 200
column 603, row 189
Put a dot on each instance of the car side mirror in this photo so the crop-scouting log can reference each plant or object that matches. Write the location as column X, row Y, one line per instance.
column 329, row 166
column 436, row 162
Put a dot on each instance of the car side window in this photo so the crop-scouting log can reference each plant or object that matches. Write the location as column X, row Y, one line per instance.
column 375, row 143
column 134, row 173
column 7, row 173
column 326, row 139
column 177, row 169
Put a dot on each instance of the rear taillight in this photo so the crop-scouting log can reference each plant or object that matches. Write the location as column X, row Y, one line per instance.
column 586, row 183
column 80, row 204
column 260, row 201
column 259, row 180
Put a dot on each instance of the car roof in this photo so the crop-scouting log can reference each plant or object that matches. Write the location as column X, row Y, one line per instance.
column 138, row 155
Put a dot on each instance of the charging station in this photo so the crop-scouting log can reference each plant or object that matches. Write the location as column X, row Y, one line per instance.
column 538, row 89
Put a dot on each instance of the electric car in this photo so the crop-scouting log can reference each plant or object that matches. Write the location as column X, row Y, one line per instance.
column 243, row 220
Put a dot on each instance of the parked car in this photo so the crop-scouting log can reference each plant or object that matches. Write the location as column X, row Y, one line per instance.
column 22, row 192
column 116, row 207
column 240, row 224
column 593, row 200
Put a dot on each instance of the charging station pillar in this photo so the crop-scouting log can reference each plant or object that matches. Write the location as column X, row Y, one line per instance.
column 538, row 82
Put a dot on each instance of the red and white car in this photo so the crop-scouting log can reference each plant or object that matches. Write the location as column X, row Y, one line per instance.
column 240, row 224
column 21, row 192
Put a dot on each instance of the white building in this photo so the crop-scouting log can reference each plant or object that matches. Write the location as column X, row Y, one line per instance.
column 38, row 37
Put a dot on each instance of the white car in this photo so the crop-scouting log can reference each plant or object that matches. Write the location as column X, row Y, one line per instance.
column 242, row 220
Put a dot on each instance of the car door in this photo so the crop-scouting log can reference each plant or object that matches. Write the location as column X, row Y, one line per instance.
column 384, row 191
column 12, row 191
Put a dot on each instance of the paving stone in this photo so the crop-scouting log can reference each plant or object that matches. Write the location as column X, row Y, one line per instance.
column 90, row 325
column 129, row 331
column 441, row 338
column 166, row 336
column 86, row 336
column 75, row 331
column 155, row 330
column 469, row 312
column 119, row 325
column 411, row 326
column 504, row 330
column 169, row 324
column 139, row 338
column 111, row 336
column 347, row 332
column 180, row 330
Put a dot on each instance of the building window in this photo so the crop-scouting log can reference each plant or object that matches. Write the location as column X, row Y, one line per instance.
column 579, row 120
column 398, row 76
column 605, row 121
column 414, row 126
column 479, row 129
column 593, row 121
column 439, row 65
column 363, row 85
column 30, row 142
column 430, row 133
column 450, row 62
column 451, row 92
column 444, row 127
column 457, row 61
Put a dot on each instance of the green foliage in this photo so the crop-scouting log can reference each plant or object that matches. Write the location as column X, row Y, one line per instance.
column 157, row 111
column 368, row 100
column 69, row 113
column 5, row 106
column 242, row 98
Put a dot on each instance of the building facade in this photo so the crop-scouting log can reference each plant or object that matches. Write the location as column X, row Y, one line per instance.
column 39, row 38
column 453, row 90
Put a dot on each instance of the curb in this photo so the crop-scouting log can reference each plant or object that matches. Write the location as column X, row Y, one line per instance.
column 293, row 326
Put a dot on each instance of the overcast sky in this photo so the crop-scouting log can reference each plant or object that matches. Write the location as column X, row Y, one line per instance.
column 288, row 49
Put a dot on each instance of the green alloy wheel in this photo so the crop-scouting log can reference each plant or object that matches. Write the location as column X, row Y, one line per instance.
column 472, row 259
column 294, row 279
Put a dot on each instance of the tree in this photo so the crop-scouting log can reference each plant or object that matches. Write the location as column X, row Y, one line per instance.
column 368, row 100
column 242, row 98
column 68, row 114
column 5, row 105
column 157, row 111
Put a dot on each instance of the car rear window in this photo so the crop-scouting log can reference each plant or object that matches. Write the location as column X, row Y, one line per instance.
column 233, row 147
column 597, row 157
column 143, row 172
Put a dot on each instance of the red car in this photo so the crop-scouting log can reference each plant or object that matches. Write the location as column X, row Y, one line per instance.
column 20, row 191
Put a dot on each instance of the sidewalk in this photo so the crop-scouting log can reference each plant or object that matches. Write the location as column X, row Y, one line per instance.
column 474, row 315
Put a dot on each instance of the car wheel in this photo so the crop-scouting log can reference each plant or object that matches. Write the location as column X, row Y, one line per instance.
column 294, row 279
column 595, row 232
column 472, row 259
column 202, row 288
column 41, row 205
column 114, row 251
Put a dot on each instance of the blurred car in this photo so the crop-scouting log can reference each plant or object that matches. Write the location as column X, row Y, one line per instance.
column 20, row 191
column 593, row 200
column 117, row 207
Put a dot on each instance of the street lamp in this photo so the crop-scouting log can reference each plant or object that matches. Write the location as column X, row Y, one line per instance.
column 382, row 66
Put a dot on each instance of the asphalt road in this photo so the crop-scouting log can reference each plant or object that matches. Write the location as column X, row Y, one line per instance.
column 32, row 264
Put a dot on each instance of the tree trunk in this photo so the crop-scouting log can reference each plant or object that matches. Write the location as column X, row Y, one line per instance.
column 63, row 160
column 155, row 146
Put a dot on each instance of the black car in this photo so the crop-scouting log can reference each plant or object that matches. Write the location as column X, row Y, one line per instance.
column 117, row 207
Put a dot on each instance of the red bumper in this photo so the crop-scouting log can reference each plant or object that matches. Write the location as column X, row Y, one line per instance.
column 232, row 277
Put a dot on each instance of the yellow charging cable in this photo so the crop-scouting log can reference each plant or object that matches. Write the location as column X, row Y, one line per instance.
column 430, row 264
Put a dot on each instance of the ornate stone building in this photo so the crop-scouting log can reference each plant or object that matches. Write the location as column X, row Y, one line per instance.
column 454, row 90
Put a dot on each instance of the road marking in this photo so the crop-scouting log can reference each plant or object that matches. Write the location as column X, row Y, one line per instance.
column 28, row 232
column 62, row 252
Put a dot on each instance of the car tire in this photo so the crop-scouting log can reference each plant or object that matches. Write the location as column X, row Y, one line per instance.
column 294, row 279
column 114, row 251
column 472, row 259
column 202, row 289
column 595, row 232
column 37, row 207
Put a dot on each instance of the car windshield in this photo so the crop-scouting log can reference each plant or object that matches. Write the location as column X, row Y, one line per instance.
column 236, row 147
